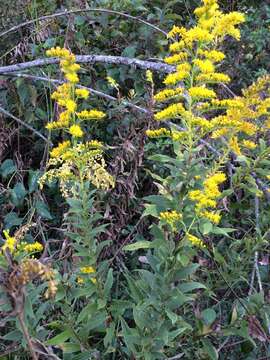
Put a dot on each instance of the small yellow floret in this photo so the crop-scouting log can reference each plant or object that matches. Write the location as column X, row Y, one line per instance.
column 76, row 131
column 82, row 93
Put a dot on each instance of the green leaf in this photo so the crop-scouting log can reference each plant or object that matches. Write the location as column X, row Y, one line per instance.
column 7, row 167
column 210, row 349
column 184, row 273
column 12, row 219
column 69, row 348
column 108, row 283
column 206, row 227
column 150, row 209
column 222, row 231
column 42, row 210
column 18, row 194
column 110, row 334
column 86, row 312
column 60, row 338
column 33, row 180
column 129, row 51
column 190, row 286
column 209, row 316
column 139, row 245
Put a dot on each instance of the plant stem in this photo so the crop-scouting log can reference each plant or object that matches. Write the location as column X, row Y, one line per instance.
column 27, row 336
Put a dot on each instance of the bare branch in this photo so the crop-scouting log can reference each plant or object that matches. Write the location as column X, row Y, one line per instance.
column 6, row 113
column 91, row 59
column 77, row 11
column 93, row 91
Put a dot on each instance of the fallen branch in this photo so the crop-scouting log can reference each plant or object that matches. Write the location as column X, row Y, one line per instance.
column 78, row 11
column 91, row 59
column 92, row 91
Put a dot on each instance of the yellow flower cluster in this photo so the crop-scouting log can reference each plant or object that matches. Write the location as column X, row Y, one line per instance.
column 242, row 115
column 201, row 92
column 176, row 77
column 213, row 78
column 87, row 157
column 213, row 55
column 10, row 242
column 195, row 52
column 91, row 114
column 70, row 159
column 66, row 96
column 60, row 149
column 30, row 269
column 30, row 248
column 171, row 217
column 82, row 93
column 171, row 112
column 168, row 94
column 207, row 198
column 195, row 241
column 67, row 63
column 249, row 144
column 76, row 131
column 158, row 133
column 176, row 58
column 205, row 66
column 234, row 145
column 15, row 246
column 87, row 270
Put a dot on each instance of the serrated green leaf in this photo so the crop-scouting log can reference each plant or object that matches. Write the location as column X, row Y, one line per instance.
column 7, row 167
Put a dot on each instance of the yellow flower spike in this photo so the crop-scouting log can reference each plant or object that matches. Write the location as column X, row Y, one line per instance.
column 157, row 133
column 206, row 198
column 211, row 216
column 195, row 241
column 171, row 217
column 176, row 58
column 201, row 92
column 167, row 94
column 170, row 112
column 29, row 248
column 234, row 145
column 176, row 77
column 176, row 30
column 91, row 115
column 213, row 78
column 249, row 144
column 60, row 149
column 213, row 55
